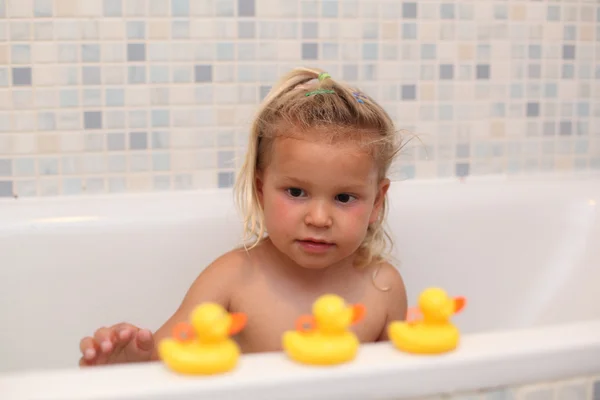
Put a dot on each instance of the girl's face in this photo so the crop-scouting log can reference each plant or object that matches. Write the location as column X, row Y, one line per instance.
column 319, row 199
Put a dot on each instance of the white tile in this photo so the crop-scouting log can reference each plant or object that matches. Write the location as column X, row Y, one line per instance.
column 19, row 8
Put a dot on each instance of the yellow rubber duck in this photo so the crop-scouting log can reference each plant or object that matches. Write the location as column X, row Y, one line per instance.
column 204, row 347
column 433, row 334
column 326, row 340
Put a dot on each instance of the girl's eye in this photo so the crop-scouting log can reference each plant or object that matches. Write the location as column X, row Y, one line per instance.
column 344, row 198
column 295, row 192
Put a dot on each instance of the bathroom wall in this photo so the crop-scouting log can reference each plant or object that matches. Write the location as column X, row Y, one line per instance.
column 110, row 96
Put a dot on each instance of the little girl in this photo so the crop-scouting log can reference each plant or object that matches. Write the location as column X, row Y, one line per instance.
column 313, row 193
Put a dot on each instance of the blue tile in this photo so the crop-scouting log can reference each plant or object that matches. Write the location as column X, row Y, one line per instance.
column 72, row 186
column 500, row 11
column 225, row 179
column 92, row 119
column 225, row 51
column 159, row 74
column 264, row 91
column 138, row 119
column 409, row 30
column 533, row 109
column 161, row 162
column 5, row 167
column 447, row 11
column 136, row 30
column 136, row 52
column 583, row 109
column 310, row 30
column 42, row 8
column 113, row 8
column 91, row 75
column 3, row 77
column 160, row 118
column 48, row 166
column 180, row 29
column 568, row 52
column 553, row 13
column 310, row 51
column 26, row 188
column 203, row 73
column 534, row 71
column 535, row 51
column 138, row 141
column 550, row 90
column 570, row 33
column 158, row 8
column 6, row 189
column 226, row 159
column 161, row 140
column 565, row 128
column 136, row 74
column 115, row 97
column 446, row 112
column 92, row 97
column 180, row 8
column 90, row 53
column 409, row 9
column 329, row 9
column 568, row 71
column 115, row 141
column 246, row 30
column 483, row 72
column 428, row 51
column 20, row 54
column 24, row 167
column 2, row 8
column 162, row 182
column 408, row 92
column 245, row 8
column 225, row 8
column 46, row 121
column 69, row 98
column 67, row 53
column 583, row 128
column 446, row 71
column 462, row 169
column 370, row 51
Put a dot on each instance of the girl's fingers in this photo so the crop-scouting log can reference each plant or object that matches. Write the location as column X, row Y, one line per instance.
column 144, row 340
column 105, row 337
column 88, row 348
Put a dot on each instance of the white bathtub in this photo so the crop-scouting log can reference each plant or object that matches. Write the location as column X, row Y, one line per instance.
column 525, row 252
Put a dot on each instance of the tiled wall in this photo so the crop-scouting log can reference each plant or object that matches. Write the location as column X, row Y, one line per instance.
column 583, row 388
column 132, row 95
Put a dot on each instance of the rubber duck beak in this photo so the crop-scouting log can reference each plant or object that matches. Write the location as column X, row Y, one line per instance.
column 358, row 313
column 459, row 304
column 238, row 322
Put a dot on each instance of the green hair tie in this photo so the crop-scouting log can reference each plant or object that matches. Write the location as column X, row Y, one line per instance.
column 323, row 76
column 320, row 91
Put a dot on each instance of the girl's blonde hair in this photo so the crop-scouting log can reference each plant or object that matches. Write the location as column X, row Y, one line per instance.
column 311, row 99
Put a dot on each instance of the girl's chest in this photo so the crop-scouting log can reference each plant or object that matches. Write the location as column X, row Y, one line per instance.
column 272, row 312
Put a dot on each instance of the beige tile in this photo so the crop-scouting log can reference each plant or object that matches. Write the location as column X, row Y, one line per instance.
column 466, row 52
column 225, row 116
column 66, row 8
column 48, row 143
column 112, row 29
column 3, row 54
column 427, row 92
column 159, row 30
column 518, row 12
column 389, row 30
column 428, row 31
column 586, row 33
column 139, row 183
column 497, row 129
column 563, row 163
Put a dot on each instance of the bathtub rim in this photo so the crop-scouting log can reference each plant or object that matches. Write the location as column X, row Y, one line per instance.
column 483, row 360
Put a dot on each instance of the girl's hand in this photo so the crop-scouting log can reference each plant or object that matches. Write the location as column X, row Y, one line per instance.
column 121, row 343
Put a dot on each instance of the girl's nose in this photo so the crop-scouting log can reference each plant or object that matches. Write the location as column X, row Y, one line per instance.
column 318, row 216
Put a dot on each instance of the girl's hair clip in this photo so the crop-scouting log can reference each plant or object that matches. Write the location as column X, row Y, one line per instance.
column 360, row 97
column 320, row 91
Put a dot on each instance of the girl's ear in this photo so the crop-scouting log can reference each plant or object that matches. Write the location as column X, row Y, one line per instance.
column 382, row 189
